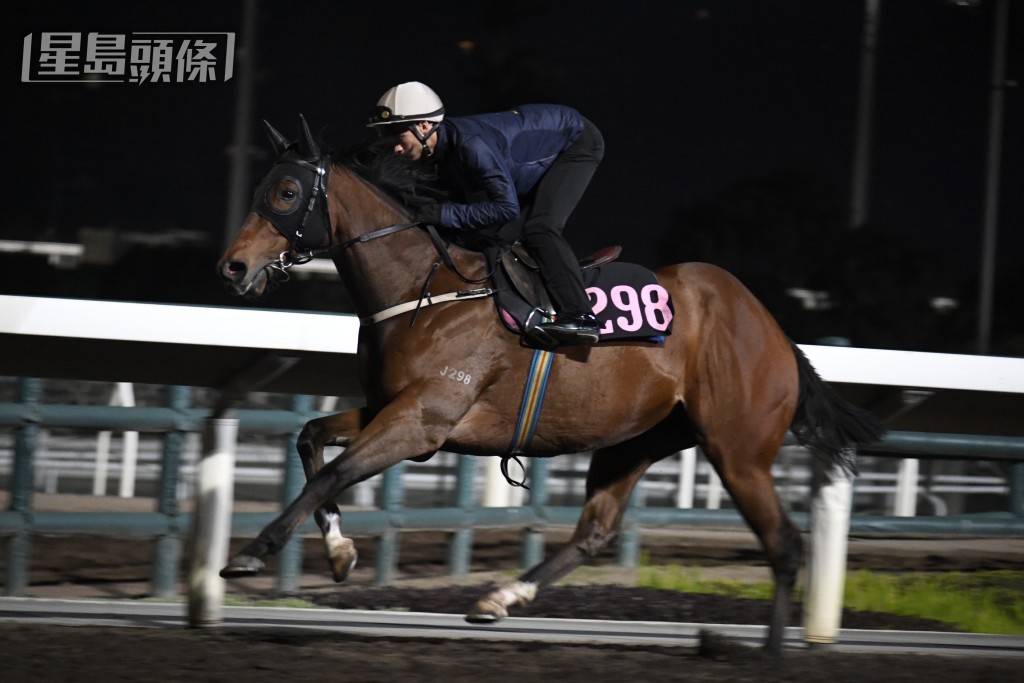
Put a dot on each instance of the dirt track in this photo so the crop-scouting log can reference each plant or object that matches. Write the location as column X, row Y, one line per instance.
column 33, row 653
column 93, row 567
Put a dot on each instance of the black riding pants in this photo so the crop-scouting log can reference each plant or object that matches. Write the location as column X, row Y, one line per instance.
column 555, row 197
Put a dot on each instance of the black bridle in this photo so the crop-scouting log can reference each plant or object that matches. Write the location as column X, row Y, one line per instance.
column 308, row 226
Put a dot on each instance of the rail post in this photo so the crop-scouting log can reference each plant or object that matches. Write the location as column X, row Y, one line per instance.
column 460, row 543
column 19, row 546
column 167, row 555
column 1017, row 489
column 392, row 501
column 826, row 565
column 212, row 521
column 533, row 537
column 628, row 553
column 289, row 566
column 687, row 478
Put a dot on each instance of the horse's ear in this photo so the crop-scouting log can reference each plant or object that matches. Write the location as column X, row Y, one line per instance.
column 276, row 139
column 307, row 145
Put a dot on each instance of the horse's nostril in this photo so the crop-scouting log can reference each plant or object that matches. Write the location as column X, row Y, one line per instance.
column 234, row 269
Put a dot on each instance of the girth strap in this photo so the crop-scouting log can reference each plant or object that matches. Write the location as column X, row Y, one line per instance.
column 529, row 410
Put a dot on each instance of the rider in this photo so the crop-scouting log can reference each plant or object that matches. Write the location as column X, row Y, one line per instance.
column 529, row 165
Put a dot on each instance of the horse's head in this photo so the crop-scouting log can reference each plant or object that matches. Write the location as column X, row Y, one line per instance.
column 287, row 221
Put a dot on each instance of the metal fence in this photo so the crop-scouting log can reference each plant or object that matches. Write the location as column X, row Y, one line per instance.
column 443, row 493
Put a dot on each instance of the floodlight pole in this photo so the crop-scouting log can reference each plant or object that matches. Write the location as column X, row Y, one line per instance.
column 859, row 190
column 992, row 178
column 239, row 177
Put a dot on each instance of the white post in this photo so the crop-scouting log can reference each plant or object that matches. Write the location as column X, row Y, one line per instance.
column 516, row 494
column 687, row 477
column 496, row 489
column 212, row 528
column 363, row 495
column 826, row 566
column 129, row 443
column 906, row 488
column 99, row 475
column 123, row 395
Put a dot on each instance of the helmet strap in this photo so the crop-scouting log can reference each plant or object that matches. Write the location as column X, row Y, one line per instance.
column 427, row 152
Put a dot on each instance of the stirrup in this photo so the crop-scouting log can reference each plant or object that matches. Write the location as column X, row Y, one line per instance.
column 586, row 334
column 535, row 334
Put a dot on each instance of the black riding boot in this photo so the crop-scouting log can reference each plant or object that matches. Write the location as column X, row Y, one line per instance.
column 573, row 329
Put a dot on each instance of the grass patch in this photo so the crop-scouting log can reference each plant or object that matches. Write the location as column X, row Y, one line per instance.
column 692, row 580
column 975, row 602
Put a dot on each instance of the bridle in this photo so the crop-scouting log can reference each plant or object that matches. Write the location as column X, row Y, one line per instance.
column 308, row 227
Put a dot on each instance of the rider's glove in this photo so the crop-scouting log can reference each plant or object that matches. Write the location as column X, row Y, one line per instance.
column 429, row 214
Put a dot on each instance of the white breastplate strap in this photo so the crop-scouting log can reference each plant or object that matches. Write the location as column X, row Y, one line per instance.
column 461, row 295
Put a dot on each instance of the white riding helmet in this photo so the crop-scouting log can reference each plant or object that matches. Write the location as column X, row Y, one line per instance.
column 407, row 102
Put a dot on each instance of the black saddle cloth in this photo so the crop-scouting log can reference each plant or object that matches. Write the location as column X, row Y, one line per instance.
column 626, row 298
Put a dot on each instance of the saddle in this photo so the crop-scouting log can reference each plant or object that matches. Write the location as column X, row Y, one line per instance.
column 627, row 300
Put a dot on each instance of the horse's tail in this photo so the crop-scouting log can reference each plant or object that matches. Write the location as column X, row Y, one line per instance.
column 826, row 423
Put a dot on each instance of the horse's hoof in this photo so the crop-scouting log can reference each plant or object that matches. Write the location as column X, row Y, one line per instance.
column 486, row 612
column 342, row 558
column 241, row 566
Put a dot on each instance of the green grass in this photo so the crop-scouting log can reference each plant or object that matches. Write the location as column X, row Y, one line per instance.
column 975, row 602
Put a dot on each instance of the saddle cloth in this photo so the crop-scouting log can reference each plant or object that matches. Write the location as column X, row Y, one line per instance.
column 626, row 299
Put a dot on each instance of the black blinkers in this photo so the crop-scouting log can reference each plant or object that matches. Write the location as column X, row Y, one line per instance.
column 289, row 194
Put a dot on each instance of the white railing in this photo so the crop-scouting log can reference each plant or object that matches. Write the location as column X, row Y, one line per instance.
column 155, row 328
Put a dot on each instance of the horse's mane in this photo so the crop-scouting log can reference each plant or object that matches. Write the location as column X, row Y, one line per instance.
column 412, row 183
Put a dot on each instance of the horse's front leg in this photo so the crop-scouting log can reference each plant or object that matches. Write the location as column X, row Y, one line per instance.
column 332, row 430
column 402, row 430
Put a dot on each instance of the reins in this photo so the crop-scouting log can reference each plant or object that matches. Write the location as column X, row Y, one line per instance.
column 293, row 257
column 298, row 255
column 439, row 244
column 375, row 234
column 425, row 298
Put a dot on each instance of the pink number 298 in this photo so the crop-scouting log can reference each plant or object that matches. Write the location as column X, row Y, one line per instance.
column 651, row 305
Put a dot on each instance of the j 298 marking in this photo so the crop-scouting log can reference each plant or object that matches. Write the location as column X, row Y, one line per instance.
column 457, row 375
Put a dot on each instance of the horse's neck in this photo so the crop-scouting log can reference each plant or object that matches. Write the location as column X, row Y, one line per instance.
column 390, row 270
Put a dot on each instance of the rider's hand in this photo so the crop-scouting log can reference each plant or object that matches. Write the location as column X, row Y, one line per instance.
column 429, row 214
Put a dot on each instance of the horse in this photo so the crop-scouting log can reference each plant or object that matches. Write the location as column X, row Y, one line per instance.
column 443, row 373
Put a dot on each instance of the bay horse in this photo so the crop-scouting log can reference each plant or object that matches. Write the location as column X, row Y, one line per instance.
column 726, row 378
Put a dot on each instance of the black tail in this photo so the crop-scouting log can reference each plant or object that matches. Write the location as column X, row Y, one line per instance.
column 828, row 424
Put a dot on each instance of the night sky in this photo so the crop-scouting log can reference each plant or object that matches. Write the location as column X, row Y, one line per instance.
column 695, row 99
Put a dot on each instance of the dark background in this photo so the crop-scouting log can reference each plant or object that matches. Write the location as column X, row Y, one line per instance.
column 729, row 125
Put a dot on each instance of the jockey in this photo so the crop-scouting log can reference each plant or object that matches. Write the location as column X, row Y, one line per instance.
column 526, row 169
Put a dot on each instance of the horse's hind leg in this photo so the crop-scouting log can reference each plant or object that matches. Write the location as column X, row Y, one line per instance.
column 749, row 482
column 331, row 430
column 613, row 474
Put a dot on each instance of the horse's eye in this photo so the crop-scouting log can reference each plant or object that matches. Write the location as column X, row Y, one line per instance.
column 284, row 195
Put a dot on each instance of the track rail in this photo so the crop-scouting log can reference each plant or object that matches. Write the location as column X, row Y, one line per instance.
column 420, row 625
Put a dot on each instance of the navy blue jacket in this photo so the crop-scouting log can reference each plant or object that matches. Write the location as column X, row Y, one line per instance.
column 502, row 157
